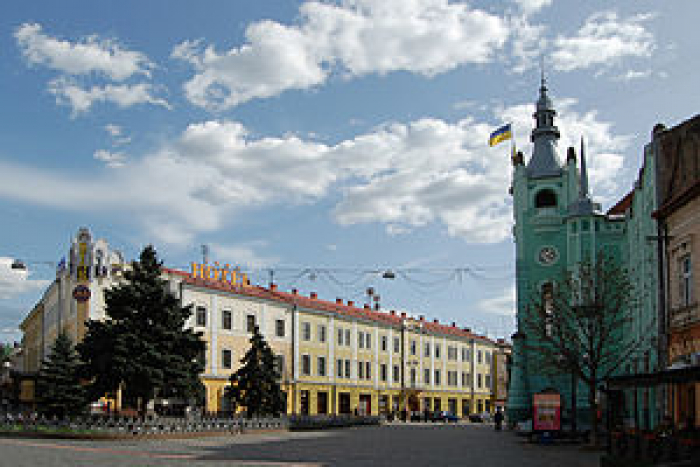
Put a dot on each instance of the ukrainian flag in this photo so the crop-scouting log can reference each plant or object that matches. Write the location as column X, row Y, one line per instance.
column 501, row 134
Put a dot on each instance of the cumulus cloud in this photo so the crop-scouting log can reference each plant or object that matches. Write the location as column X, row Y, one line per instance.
column 14, row 282
column 86, row 56
column 531, row 6
column 354, row 38
column 81, row 99
column 503, row 304
column 401, row 175
column 113, row 160
column 89, row 70
column 605, row 39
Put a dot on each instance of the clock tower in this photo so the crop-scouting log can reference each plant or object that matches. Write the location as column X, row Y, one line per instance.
column 551, row 207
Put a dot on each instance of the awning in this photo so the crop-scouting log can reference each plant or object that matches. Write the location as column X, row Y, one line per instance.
column 671, row 375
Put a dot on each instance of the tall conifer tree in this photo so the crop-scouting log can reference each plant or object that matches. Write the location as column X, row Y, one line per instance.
column 143, row 347
column 255, row 385
column 59, row 391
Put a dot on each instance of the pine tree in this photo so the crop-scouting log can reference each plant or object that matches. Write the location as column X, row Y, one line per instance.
column 59, row 391
column 255, row 385
column 143, row 347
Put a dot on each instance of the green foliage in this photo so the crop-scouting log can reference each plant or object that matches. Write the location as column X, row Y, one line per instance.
column 143, row 347
column 58, row 388
column 255, row 385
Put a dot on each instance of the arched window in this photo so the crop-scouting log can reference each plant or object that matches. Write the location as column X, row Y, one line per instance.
column 545, row 199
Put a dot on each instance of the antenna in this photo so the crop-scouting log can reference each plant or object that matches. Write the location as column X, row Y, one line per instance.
column 205, row 253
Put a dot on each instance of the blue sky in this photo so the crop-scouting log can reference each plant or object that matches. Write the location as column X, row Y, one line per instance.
column 345, row 135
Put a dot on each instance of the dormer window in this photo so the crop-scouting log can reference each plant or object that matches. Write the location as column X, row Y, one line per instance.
column 545, row 199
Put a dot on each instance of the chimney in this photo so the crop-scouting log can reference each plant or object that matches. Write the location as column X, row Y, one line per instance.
column 295, row 291
column 467, row 329
column 403, row 314
column 339, row 301
column 392, row 313
column 313, row 295
column 273, row 287
column 436, row 321
column 351, row 303
column 376, row 306
column 366, row 306
column 454, row 325
column 421, row 317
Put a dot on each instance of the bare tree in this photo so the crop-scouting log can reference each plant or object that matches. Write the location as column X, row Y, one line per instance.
column 580, row 324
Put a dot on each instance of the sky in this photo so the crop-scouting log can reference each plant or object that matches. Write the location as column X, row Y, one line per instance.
column 325, row 141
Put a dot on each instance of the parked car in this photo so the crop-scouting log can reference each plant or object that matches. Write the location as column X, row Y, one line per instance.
column 443, row 416
column 475, row 418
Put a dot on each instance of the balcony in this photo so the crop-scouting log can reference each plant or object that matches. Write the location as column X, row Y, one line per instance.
column 684, row 316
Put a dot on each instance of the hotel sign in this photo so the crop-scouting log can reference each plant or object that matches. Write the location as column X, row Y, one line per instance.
column 217, row 273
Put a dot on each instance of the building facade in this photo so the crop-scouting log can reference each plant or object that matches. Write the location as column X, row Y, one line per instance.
column 558, row 227
column 678, row 154
column 333, row 357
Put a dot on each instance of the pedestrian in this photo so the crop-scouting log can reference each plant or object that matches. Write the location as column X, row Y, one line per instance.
column 498, row 418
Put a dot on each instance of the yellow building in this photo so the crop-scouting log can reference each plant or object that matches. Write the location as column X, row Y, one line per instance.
column 334, row 357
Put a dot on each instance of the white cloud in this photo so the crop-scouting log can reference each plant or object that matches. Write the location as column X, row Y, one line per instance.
column 528, row 43
column 354, row 37
column 117, row 134
column 87, row 56
column 81, row 99
column 113, row 160
column 631, row 75
column 503, row 304
column 531, row 6
column 605, row 40
column 244, row 255
column 402, row 175
column 15, row 282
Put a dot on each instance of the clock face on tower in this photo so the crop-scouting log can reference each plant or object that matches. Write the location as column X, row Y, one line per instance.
column 547, row 255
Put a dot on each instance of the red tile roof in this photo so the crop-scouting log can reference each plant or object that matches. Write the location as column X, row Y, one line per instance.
column 623, row 205
column 302, row 301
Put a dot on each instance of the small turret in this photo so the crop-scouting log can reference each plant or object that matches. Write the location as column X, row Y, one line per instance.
column 544, row 161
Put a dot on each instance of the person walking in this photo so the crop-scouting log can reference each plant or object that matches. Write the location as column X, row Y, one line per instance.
column 498, row 418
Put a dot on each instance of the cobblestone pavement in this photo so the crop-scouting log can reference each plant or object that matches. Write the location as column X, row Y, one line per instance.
column 406, row 445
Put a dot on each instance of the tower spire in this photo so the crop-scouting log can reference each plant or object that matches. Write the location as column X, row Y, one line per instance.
column 583, row 186
column 544, row 161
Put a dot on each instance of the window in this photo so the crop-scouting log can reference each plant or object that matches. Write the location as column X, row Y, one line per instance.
column 368, row 370
column 339, row 368
column 250, row 323
column 548, row 300
column 305, row 365
column 487, row 381
column 437, row 378
column 686, row 280
column 413, row 376
column 437, row 350
column 465, row 354
column 226, row 358
column 413, row 347
column 464, row 379
column 452, row 353
column 478, row 356
column 360, row 370
column 545, row 199
column 201, row 316
column 426, row 376
column 452, row 378
column 279, row 366
column 397, row 374
column 478, row 380
column 368, row 340
column 321, row 366
column 279, row 328
column 340, row 337
column 383, row 372
column 347, row 369
column 347, row 337
column 385, row 343
column 306, row 331
column 321, row 331
column 426, row 350
column 397, row 345
column 226, row 319
column 360, row 339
